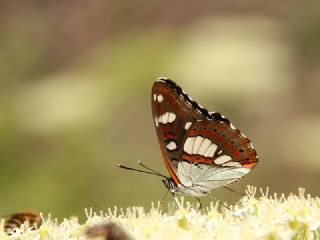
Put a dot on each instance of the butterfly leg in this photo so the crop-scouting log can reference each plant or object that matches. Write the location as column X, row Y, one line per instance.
column 220, row 202
column 164, row 198
column 177, row 202
column 200, row 204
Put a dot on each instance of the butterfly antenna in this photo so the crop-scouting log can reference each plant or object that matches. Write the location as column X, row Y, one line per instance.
column 234, row 191
column 220, row 202
column 139, row 170
column 150, row 169
column 200, row 204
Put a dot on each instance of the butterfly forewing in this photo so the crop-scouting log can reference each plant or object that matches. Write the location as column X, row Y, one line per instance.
column 173, row 113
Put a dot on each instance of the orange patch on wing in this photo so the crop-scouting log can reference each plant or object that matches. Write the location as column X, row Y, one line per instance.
column 235, row 154
column 249, row 164
column 212, row 135
column 251, row 154
column 228, row 145
column 166, row 132
column 196, row 158
column 219, row 139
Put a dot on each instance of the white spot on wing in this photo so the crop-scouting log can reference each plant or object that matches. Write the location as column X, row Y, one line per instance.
column 184, row 170
column 171, row 146
column 167, row 117
column 211, row 150
column 197, row 144
column 164, row 118
column 154, row 97
column 187, row 125
column 204, row 146
column 243, row 170
column 160, row 98
column 171, row 117
column 232, row 164
column 232, row 126
column 222, row 159
column 156, row 121
column 188, row 145
column 161, row 79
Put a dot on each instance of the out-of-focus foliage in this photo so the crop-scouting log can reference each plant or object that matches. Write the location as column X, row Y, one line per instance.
column 75, row 82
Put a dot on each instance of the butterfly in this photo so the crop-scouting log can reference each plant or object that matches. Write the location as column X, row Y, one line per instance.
column 15, row 220
column 202, row 150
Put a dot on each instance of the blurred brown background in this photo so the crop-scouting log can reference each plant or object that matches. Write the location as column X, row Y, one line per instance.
column 75, row 83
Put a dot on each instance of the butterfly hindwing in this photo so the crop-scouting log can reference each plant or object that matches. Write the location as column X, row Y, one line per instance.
column 218, row 143
column 221, row 150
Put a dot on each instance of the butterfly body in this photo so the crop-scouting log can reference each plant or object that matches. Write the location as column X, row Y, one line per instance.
column 202, row 150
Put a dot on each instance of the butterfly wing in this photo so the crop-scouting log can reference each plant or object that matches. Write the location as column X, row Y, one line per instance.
column 215, row 154
column 173, row 113
column 202, row 150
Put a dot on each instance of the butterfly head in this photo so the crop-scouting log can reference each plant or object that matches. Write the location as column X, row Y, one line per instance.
column 170, row 184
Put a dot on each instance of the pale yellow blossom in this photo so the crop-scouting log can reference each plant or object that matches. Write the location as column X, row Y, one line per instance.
column 267, row 216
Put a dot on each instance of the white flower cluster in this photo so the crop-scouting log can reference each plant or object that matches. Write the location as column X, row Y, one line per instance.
column 266, row 217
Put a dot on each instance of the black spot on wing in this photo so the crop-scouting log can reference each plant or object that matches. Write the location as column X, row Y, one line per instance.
column 219, row 117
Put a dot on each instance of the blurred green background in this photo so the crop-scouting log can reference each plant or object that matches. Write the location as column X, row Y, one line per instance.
column 75, row 85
